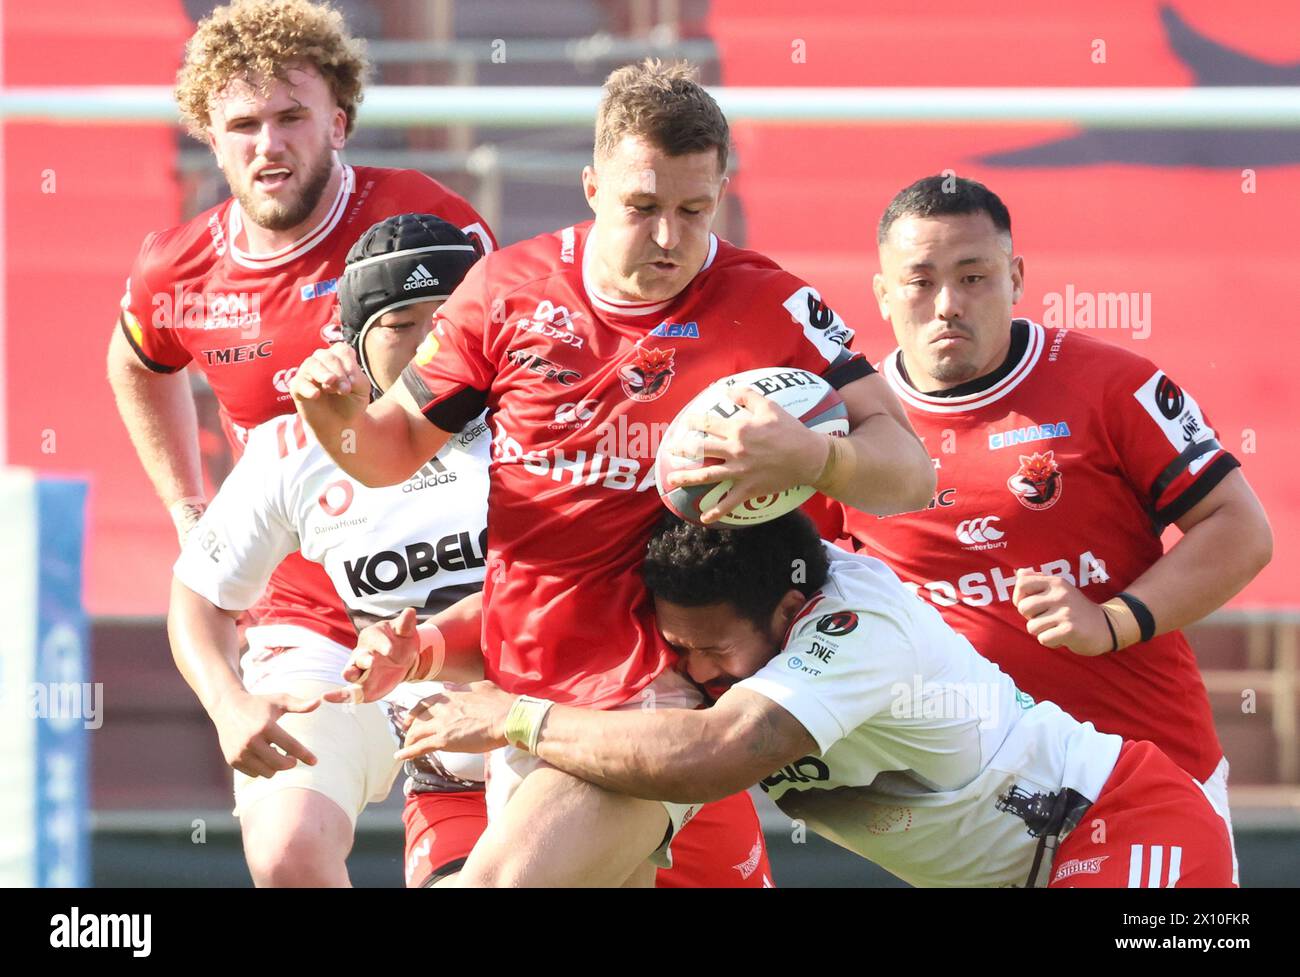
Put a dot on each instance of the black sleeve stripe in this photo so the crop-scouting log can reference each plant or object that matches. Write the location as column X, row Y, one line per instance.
column 151, row 364
column 1179, row 465
column 1199, row 489
column 847, row 368
column 453, row 411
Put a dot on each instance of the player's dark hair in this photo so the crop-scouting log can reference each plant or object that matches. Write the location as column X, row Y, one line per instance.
column 938, row 196
column 750, row 568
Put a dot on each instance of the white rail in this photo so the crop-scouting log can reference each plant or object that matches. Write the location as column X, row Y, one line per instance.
column 1276, row 107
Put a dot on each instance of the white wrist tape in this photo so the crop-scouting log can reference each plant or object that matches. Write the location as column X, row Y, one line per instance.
column 433, row 653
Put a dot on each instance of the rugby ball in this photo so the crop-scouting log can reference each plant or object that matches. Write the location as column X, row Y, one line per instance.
column 805, row 395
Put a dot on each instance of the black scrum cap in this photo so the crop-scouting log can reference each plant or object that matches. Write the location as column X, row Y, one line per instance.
column 405, row 259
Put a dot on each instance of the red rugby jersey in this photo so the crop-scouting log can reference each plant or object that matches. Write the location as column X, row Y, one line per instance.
column 580, row 390
column 1070, row 459
column 248, row 321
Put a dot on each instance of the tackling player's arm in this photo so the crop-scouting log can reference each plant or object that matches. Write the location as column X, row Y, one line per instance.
column 1226, row 542
column 379, row 443
column 205, row 647
column 158, row 411
column 680, row 755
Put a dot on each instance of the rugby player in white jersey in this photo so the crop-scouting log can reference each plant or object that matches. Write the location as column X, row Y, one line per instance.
column 383, row 549
column 888, row 733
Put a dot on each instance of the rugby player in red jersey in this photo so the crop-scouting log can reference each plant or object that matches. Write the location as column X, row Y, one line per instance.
column 584, row 344
column 1061, row 459
column 417, row 545
column 245, row 291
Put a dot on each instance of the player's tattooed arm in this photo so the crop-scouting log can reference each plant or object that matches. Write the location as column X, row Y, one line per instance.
column 681, row 755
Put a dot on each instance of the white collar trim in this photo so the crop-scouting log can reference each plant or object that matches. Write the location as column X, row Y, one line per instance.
column 968, row 402
column 618, row 307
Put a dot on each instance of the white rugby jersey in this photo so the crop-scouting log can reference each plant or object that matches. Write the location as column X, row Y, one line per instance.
column 932, row 763
column 420, row 544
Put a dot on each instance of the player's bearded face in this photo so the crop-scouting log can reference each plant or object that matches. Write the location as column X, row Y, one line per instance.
column 947, row 286
column 718, row 646
column 276, row 146
column 653, row 217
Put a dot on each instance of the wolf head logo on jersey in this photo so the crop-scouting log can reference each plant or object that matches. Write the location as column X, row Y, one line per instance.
column 1037, row 482
column 649, row 373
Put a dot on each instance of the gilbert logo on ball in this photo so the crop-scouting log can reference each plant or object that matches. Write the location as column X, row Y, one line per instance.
column 805, row 395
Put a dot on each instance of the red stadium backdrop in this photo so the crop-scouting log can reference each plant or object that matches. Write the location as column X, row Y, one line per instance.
column 1200, row 223
column 1160, row 213
column 78, row 201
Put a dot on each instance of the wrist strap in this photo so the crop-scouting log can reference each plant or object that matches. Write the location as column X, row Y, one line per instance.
column 433, row 653
column 1145, row 619
column 1122, row 622
column 1114, row 638
column 524, row 721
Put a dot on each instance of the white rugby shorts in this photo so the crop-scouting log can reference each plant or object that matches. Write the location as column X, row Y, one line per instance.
column 353, row 744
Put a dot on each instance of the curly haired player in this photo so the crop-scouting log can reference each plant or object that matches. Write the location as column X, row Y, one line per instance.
column 244, row 292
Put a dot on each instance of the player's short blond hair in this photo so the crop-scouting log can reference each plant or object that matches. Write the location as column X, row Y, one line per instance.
column 666, row 106
column 262, row 39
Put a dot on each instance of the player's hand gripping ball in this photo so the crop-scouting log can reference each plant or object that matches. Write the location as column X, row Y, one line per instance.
column 804, row 395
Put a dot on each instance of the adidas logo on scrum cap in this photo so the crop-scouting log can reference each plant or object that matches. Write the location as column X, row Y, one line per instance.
column 418, row 279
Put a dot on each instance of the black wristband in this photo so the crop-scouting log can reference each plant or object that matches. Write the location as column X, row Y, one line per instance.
column 1146, row 622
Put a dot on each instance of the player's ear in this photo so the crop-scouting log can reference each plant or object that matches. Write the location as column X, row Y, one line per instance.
column 338, row 128
column 790, row 605
column 1017, row 278
column 882, row 295
column 590, row 185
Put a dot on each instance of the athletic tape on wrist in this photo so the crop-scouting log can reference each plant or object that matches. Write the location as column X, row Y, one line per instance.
column 1123, row 621
column 431, row 656
column 524, row 721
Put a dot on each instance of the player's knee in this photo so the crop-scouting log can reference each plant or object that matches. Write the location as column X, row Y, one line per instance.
column 296, row 859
